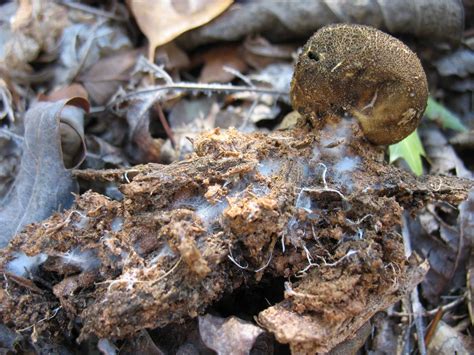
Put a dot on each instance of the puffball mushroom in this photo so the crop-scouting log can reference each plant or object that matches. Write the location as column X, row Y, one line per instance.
column 365, row 72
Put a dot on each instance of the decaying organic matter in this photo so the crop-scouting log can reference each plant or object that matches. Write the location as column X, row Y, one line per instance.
column 365, row 72
column 319, row 208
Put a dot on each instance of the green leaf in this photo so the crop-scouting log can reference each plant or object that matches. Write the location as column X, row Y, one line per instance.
column 437, row 112
column 411, row 150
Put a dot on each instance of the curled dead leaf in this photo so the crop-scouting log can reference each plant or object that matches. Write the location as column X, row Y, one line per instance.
column 43, row 184
column 73, row 144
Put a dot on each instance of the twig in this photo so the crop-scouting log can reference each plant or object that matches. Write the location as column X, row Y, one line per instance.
column 7, row 285
column 166, row 126
column 9, row 134
column 6, row 98
column 432, row 328
column 156, row 69
column 197, row 87
column 239, row 75
column 92, row 10
column 434, row 311
column 415, row 301
column 249, row 113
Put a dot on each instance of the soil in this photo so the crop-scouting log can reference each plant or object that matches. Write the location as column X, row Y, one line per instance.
column 314, row 213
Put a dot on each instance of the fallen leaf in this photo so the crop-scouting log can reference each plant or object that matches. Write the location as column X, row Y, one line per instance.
column 73, row 145
column 466, row 225
column 437, row 238
column 446, row 340
column 441, row 20
column 463, row 140
column 142, row 147
column 442, row 157
column 142, row 343
column 106, row 347
column 228, row 335
column 187, row 119
column 259, row 52
column 43, row 184
column 9, row 160
column 102, row 154
column 171, row 57
column 83, row 45
column 470, row 287
column 164, row 20
column 104, row 78
column 277, row 76
column 214, row 61
column 459, row 63
column 9, row 340
column 6, row 108
column 23, row 14
column 64, row 93
column 31, row 35
column 385, row 334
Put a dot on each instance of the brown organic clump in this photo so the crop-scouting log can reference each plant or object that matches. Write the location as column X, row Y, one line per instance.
column 365, row 72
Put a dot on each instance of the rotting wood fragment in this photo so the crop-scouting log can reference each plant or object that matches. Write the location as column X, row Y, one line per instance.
column 326, row 216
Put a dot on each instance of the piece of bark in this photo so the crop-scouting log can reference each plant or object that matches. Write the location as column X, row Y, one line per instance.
column 298, row 202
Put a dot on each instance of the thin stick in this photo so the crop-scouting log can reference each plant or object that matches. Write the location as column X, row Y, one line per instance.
column 239, row 75
column 415, row 300
column 198, row 87
column 166, row 126
column 10, row 135
column 158, row 70
column 432, row 328
column 92, row 10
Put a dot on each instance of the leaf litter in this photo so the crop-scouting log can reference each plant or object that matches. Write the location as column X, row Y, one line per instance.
column 249, row 240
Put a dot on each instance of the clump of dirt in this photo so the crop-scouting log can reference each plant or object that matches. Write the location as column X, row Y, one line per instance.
column 320, row 209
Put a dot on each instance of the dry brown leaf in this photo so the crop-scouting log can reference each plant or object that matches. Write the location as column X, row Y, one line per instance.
column 67, row 92
column 23, row 14
column 31, row 35
column 214, row 61
column 103, row 79
column 258, row 52
column 172, row 57
column 164, row 20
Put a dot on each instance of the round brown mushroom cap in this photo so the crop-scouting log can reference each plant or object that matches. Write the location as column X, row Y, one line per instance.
column 365, row 72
